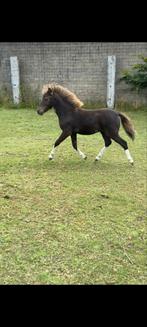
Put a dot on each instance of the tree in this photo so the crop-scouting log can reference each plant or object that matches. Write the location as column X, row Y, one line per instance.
column 137, row 77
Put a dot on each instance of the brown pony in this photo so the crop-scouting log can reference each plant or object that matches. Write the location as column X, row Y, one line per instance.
column 75, row 120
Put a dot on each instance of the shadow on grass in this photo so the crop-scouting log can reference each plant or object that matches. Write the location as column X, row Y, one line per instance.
column 23, row 162
column 82, row 165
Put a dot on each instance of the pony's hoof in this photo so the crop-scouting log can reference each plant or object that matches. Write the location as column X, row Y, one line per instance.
column 85, row 158
column 132, row 163
column 50, row 158
column 96, row 159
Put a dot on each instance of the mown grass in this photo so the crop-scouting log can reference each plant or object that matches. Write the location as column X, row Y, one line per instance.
column 70, row 221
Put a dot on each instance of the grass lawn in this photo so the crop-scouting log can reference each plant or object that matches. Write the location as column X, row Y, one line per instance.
column 70, row 221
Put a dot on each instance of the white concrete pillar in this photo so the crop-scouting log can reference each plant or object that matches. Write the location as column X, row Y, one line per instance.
column 15, row 80
column 111, row 82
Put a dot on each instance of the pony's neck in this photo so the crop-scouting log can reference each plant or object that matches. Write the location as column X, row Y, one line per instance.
column 61, row 107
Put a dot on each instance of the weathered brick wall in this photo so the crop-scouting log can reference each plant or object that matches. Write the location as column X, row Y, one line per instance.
column 80, row 66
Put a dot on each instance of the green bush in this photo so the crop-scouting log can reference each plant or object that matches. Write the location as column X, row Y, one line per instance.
column 137, row 77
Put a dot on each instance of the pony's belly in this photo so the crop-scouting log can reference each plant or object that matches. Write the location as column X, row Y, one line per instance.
column 87, row 131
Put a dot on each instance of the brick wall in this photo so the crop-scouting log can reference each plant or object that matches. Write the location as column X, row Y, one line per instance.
column 80, row 66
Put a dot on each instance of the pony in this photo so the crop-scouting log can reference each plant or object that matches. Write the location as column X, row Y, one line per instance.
column 73, row 120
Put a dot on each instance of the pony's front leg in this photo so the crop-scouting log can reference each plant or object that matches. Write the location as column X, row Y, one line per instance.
column 51, row 155
column 61, row 138
column 74, row 144
column 108, row 142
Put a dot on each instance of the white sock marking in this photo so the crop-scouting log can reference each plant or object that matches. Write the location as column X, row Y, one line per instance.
column 130, row 159
column 81, row 154
column 51, row 155
column 100, row 154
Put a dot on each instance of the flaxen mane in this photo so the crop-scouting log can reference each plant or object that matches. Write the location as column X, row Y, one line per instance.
column 69, row 96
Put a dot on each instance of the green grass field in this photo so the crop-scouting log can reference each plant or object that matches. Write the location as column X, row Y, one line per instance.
column 70, row 221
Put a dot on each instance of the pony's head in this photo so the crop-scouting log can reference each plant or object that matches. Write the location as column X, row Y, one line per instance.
column 51, row 93
column 47, row 100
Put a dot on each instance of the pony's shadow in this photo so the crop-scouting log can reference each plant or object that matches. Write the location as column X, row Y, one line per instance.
column 82, row 165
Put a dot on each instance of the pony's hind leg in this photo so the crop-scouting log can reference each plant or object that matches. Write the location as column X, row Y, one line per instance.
column 74, row 144
column 124, row 144
column 108, row 142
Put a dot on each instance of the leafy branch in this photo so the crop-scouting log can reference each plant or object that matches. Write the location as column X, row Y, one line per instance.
column 137, row 77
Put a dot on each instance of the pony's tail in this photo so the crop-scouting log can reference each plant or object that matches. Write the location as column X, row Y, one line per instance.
column 127, row 125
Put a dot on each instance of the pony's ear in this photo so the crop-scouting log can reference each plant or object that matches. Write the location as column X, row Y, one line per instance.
column 50, row 91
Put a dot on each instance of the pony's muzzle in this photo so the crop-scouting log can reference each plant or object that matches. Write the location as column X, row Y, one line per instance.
column 40, row 111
